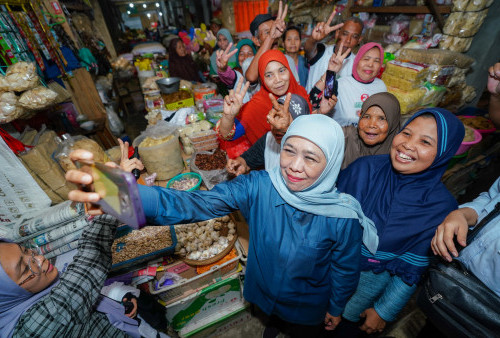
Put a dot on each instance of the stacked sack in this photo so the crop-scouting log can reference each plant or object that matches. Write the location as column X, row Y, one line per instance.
column 463, row 23
column 22, row 77
column 426, row 77
column 39, row 163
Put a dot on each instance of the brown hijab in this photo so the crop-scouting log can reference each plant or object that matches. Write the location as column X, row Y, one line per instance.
column 354, row 145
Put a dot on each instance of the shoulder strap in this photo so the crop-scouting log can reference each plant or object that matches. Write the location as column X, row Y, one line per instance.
column 473, row 233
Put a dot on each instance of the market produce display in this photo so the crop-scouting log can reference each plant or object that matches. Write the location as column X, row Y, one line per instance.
column 477, row 122
column 184, row 183
column 214, row 161
column 204, row 240
column 140, row 242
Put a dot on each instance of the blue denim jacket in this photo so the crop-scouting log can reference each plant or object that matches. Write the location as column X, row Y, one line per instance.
column 482, row 256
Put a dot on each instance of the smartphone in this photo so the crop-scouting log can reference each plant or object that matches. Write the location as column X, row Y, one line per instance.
column 118, row 190
column 331, row 85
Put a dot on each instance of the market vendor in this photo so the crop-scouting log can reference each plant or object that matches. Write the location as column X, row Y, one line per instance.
column 305, row 237
column 318, row 54
column 229, row 76
column 266, row 31
column 180, row 62
column 353, row 90
column 36, row 302
column 292, row 41
column 378, row 124
column 403, row 194
column 225, row 43
column 277, row 80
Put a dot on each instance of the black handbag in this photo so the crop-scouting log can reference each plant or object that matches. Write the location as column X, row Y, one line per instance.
column 456, row 301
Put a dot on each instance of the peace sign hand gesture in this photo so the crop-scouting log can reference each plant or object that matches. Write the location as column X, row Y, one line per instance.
column 223, row 56
column 234, row 100
column 278, row 27
column 336, row 60
column 322, row 29
column 279, row 117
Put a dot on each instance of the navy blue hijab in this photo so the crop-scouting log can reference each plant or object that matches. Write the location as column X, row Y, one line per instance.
column 407, row 208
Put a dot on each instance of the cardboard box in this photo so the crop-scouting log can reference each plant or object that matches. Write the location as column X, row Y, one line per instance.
column 207, row 305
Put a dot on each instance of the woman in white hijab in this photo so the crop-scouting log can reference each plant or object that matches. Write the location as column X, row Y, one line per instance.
column 305, row 236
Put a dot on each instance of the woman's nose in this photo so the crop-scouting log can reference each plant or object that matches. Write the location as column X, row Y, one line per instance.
column 296, row 165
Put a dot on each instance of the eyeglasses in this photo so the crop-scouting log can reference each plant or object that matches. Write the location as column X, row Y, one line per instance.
column 35, row 267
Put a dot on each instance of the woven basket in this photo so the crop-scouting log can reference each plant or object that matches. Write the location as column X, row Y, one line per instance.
column 215, row 258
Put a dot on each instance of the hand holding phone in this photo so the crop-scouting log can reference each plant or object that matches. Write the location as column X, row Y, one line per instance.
column 118, row 191
column 331, row 85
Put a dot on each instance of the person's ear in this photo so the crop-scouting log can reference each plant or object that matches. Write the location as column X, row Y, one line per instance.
column 360, row 40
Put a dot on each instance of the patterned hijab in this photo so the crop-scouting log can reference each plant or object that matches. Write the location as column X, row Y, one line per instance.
column 406, row 208
column 322, row 197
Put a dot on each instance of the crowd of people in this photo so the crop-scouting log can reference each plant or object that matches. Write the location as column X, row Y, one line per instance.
column 343, row 220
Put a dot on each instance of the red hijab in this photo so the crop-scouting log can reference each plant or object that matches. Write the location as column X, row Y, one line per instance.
column 253, row 115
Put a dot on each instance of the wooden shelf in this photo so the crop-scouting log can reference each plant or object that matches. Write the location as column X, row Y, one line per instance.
column 400, row 9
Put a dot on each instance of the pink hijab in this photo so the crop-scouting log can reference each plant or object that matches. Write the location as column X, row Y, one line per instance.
column 362, row 51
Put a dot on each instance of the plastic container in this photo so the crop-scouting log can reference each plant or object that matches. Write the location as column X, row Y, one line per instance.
column 466, row 145
column 204, row 140
column 125, row 230
column 169, row 85
column 183, row 176
column 482, row 131
column 204, row 91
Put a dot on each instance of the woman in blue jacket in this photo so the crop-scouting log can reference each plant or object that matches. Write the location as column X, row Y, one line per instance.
column 305, row 236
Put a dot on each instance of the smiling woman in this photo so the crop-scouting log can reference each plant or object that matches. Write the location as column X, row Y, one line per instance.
column 276, row 79
column 355, row 89
column 305, row 236
column 403, row 194
column 36, row 302
column 378, row 124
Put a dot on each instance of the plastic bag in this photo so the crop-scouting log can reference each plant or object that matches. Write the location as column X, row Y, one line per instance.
column 9, row 109
column 37, row 98
column 464, row 24
column 399, row 30
column 19, row 77
column 71, row 143
column 210, row 177
column 115, row 124
column 160, row 150
column 455, row 43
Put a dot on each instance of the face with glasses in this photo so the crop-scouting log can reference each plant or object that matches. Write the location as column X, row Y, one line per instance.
column 26, row 268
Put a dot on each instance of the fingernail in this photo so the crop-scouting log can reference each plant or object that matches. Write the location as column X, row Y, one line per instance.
column 86, row 179
column 94, row 197
column 455, row 253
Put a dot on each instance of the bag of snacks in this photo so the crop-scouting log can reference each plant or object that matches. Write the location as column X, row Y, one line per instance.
column 160, row 150
column 211, row 165
column 9, row 109
column 37, row 98
column 19, row 77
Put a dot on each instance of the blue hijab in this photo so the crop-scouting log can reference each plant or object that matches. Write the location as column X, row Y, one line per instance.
column 405, row 208
column 322, row 197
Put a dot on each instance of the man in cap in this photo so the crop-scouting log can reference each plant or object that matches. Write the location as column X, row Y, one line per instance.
column 266, row 30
